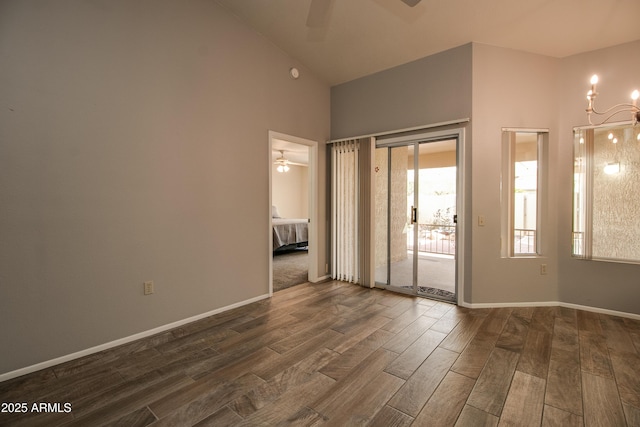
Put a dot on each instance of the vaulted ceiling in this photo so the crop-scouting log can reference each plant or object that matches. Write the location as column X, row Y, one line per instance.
column 360, row 37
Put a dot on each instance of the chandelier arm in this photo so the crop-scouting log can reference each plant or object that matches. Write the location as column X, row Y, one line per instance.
column 609, row 117
column 607, row 111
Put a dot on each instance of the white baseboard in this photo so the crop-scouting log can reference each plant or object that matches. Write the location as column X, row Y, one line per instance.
column 58, row 360
column 601, row 310
column 551, row 304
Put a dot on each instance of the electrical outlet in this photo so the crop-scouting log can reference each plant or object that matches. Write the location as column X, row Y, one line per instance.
column 480, row 220
column 543, row 269
column 148, row 287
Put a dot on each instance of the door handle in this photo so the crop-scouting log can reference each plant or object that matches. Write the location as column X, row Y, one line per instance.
column 414, row 215
column 455, row 219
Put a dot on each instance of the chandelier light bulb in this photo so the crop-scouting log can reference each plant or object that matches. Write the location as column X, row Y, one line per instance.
column 594, row 79
column 610, row 136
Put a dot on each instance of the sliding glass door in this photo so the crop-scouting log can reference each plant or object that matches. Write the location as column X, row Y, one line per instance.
column 416, row 197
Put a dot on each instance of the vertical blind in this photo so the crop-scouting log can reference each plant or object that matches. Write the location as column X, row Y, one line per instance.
column 345, row 204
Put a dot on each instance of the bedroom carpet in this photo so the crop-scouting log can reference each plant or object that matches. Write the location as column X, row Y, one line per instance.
column 290, row 268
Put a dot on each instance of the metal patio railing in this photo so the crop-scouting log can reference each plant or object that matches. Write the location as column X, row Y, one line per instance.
column 441, row 239
column 435, row 239
column 524, row 241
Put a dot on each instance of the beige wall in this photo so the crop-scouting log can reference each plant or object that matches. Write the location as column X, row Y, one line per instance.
column 134, row 147
column 515, row 90
column 290, row 191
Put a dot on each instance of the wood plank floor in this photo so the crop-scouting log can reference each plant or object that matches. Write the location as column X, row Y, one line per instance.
column 338, row 354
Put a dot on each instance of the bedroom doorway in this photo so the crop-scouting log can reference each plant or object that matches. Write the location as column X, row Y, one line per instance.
column 292, row 200
column 416, row 216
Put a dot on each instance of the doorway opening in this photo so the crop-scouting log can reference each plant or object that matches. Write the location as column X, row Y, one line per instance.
column 417, row 183
column 292, row 200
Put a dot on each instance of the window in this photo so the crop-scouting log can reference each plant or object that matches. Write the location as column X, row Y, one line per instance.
column 523, row 188
column 605, row 193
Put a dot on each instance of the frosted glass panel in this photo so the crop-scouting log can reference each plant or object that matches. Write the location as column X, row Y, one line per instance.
column 606, row 202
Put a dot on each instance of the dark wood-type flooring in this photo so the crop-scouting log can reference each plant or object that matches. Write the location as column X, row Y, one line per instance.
column 338, row 354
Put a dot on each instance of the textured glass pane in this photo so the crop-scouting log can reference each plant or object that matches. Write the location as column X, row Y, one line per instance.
column 615, row 203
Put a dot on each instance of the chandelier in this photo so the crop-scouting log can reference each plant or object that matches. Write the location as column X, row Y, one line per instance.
column 613, row 111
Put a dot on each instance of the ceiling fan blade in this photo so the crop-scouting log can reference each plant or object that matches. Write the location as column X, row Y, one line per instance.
column 319, row 12
column 411, row 3
column 284, row 161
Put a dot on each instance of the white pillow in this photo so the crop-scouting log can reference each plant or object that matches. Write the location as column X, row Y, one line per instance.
column 274, row 212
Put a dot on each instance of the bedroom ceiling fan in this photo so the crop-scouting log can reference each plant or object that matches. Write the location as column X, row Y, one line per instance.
column 320, row 10
column 283, row 163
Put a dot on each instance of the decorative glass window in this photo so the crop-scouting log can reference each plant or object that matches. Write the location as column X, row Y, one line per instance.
column 523, row 190
column 606, row 197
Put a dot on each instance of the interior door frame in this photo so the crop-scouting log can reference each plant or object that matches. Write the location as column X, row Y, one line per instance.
column 440, row 135
column 313, row 204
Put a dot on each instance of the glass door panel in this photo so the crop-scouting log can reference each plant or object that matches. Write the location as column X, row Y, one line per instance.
column 415, row 218
column 381, row 216
column 436, row 248
column 402, row 205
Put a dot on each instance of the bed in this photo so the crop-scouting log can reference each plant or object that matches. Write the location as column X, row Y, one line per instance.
column 289, row 233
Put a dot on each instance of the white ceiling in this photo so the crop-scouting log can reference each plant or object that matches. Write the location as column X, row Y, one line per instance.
column 362, row 37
